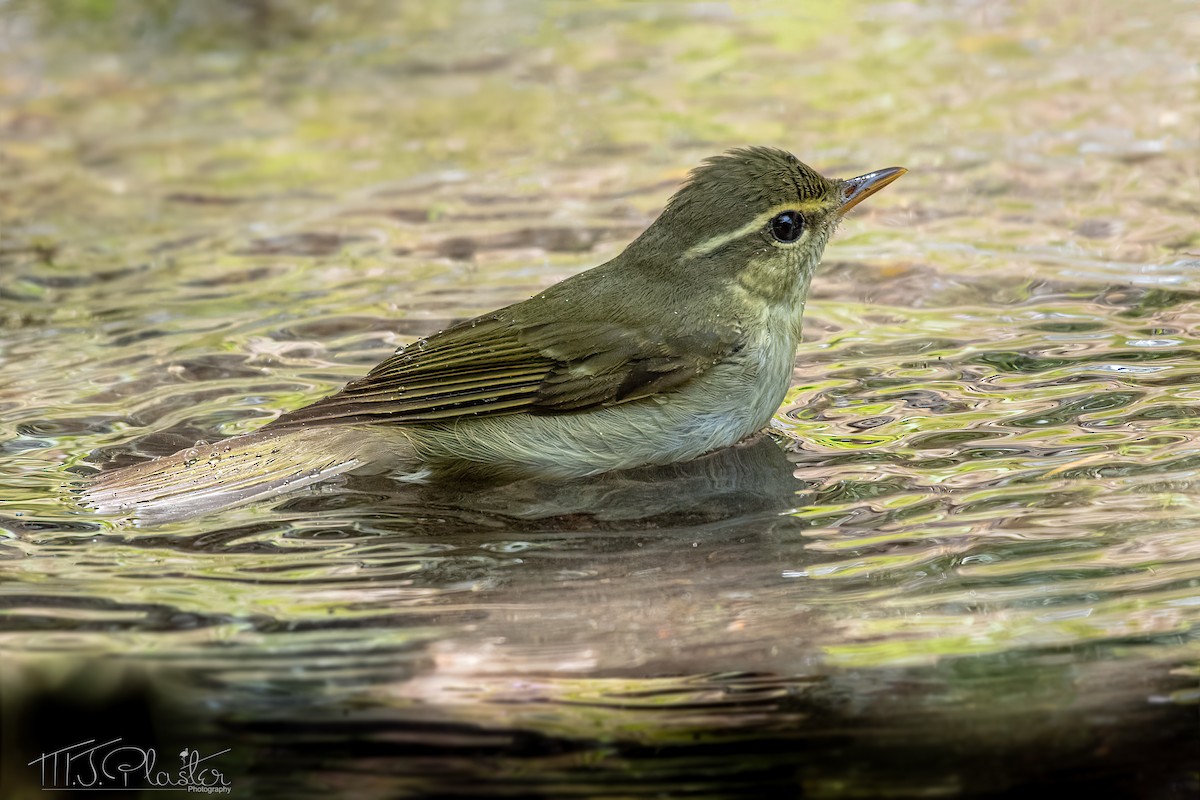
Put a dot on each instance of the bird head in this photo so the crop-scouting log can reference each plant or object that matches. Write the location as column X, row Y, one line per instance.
column 757, row 216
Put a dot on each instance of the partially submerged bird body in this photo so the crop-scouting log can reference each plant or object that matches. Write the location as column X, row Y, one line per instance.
column 682, row 344
column 701, row 416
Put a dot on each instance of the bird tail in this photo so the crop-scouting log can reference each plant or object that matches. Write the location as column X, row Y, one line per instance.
column 239, row 470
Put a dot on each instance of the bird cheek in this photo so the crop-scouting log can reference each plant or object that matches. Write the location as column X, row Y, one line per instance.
column 772, row 276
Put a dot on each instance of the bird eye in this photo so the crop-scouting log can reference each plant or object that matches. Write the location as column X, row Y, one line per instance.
column 786, row 227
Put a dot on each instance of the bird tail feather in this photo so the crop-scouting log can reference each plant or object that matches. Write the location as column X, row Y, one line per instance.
column 232, row 472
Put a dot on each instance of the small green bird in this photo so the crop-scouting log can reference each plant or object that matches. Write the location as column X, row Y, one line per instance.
column 682, row 344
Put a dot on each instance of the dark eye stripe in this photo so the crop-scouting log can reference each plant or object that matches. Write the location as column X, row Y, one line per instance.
column 787, row 226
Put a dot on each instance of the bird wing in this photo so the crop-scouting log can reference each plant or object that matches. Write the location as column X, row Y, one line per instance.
column 496, row 365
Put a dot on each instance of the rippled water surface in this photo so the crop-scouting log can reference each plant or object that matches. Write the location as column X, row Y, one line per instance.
column 965, row 560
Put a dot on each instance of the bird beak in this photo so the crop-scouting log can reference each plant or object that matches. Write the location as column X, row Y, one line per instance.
column 855, row 190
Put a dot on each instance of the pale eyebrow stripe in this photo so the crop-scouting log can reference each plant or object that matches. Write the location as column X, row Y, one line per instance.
column 709, row 245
